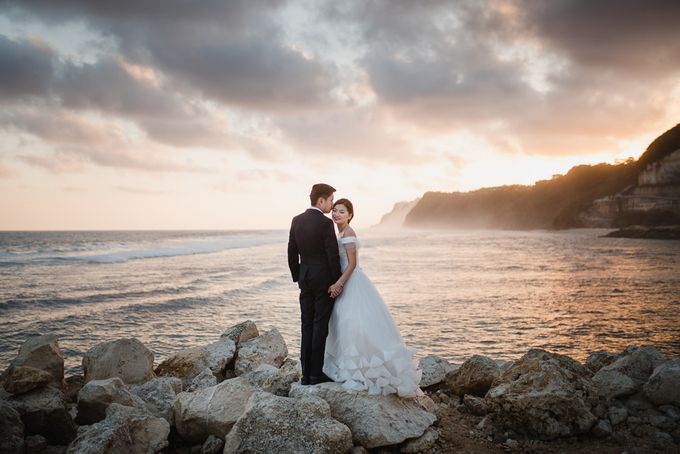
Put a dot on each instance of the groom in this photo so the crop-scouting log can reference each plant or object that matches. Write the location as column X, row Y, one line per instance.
column 315, row 265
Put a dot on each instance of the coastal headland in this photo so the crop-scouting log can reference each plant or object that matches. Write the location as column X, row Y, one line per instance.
column 241, row 393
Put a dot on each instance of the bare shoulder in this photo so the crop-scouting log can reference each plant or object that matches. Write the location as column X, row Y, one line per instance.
column 350, row 232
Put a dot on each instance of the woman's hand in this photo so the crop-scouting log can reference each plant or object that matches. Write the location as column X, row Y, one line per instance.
column 335, row 290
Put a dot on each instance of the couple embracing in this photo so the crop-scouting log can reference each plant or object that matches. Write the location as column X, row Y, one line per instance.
column 348, row 334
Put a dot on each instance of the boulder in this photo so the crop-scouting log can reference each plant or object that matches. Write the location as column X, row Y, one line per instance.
column 21, row 379
column 546, row 395
column 373, row 420
column 434, row 370
column 617, row 415
column 42, row 352
column 191, row 363
column 629, row 372
column 242, row 332
column 212, row 445
column 424, row 443
column 597, row 360
column 211, row 411
column 159, row 395
column 95, row 397
column 474, row 376
column 276, row 381
column 273, row 423
column 205, row 379
column 475, row 405
column 43, row 411
column 127, row 359
column 663, row 386
column 602, row 429
column 72, row 386
column 124, row 430
column 11, row 430
column 268, row 348
column 35, row 443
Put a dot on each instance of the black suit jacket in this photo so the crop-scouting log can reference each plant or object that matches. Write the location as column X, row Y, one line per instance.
column 313, row 256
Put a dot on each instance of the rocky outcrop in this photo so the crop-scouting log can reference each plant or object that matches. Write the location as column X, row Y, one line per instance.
column 21, row 379
column 43, row 411
column 663, row 386
column 241, row 332
column 629, row 372
column 474, row 376
column 192, row 363
column 39, row 352
column 124, row 430
column 597, row 360
column 434, row 370
column 95, row 397
column 373, row 420
column 127, row 359
column 546, row 395
column 11, row 430
column 211, row 411
column 159, row 395
column 268, row 348
column 287, row 425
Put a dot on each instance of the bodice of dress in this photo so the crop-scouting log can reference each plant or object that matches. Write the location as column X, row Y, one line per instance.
column 345, row 243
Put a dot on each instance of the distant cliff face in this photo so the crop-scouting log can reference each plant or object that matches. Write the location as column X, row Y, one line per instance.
column 396, row 217
column 666, row 171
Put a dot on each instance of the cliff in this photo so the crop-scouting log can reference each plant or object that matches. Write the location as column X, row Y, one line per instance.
column 645, row 191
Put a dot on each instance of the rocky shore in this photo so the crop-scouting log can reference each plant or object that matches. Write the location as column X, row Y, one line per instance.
column 667, row 232
column 241, row 394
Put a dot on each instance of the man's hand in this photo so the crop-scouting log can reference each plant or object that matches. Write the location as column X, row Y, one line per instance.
column 335, row 290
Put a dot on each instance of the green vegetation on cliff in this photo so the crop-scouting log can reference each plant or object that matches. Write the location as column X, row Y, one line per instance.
column 548, row 204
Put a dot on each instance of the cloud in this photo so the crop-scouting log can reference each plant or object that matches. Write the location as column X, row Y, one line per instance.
column 25, row 68
column 6, row 171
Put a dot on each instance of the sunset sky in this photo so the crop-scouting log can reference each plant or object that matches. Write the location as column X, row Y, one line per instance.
column 217, row 114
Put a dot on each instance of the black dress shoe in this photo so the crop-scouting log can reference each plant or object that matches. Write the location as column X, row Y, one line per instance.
column 304, row 381
column 316, row 380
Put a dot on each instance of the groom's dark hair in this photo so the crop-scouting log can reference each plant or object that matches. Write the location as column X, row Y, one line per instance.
column 320, row 190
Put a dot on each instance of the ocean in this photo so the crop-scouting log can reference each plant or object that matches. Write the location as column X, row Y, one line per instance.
column 452, row 293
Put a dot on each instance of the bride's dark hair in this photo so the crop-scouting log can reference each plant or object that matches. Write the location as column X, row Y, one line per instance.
column 348, row 205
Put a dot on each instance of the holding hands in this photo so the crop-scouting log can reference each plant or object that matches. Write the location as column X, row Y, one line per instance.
column 335, row 290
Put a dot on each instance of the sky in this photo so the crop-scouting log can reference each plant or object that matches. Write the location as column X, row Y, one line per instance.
column 214, row 114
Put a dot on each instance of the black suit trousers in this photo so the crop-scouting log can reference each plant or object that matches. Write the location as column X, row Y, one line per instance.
column 316, row 307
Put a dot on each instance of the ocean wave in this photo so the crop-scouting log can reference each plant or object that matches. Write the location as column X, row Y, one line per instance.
column 174, row 248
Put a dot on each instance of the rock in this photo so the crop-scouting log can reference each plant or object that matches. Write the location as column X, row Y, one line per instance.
column 617, row 415
column 637, row 401
column 597, row 360
column 124, row 430
column 546, row 395
column 511, row 444
column 268, row 348
column 629, row 372
column 212, row 445
column 159, row 395
column 11, row 430
column 374, row 420
column 43, row 411
column 35, row 443
column 287, row 425
column 657, row 419
column 95, row 397
column 602, row 429
column 21, row 379
column 424, row 443
column 205, row 379
column 475, row 405
column 434, row 370
column 72, row 386
column 276, row 381
column 613, row 383
column 42, row 352
column 127, row 359
column 671, row 411
column 474, row 376
column 242, row 332
column 663, row 441
column 663, row 386
column 211, row 411
column 192, row 363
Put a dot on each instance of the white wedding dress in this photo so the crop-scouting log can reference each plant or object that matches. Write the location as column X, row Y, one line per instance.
column 364, row 348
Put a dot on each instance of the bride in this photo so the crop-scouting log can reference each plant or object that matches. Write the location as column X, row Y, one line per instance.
column 364, row 349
